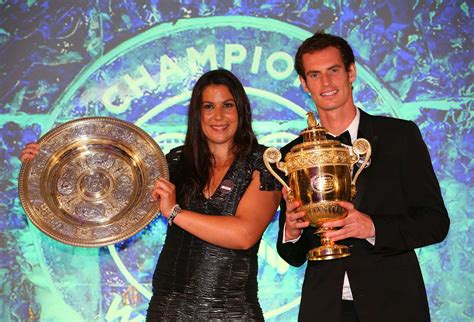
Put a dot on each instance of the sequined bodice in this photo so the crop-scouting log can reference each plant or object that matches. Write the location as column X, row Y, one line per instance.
column 198, row 280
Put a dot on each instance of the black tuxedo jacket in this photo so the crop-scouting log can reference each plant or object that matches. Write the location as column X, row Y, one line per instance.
column 401, row 194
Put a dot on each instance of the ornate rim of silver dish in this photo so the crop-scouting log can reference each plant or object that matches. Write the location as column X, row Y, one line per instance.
column 90, row 185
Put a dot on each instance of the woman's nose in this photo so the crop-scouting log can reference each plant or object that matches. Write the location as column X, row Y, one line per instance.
column 218, row 113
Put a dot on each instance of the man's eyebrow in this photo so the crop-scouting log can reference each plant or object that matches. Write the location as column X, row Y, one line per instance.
column 312, row 71
column 335, row 65
column 318, row 71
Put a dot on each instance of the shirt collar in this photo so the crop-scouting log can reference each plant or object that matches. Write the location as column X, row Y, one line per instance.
column 353, row 128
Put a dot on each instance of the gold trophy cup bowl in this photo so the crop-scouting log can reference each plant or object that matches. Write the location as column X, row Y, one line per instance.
column 320, row 174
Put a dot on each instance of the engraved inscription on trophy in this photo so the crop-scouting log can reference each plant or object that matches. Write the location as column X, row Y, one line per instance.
column 323, row 183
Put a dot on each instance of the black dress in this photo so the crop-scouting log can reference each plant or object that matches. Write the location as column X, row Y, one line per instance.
column 196, row 280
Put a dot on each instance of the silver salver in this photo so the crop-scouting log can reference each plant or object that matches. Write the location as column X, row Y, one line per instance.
column 91, row 183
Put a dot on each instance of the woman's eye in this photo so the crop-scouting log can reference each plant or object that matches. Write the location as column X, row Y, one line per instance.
column 207, row 106
column 229, row 105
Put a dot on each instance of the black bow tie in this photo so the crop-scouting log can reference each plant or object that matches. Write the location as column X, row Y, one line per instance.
column 344, row 138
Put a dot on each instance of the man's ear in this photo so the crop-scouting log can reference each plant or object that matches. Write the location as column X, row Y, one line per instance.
column 352, row 73
column 303, row 84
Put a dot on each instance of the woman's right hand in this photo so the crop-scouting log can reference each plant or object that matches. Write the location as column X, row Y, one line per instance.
column 29, row 152
column 294, row 221
column 166, row 192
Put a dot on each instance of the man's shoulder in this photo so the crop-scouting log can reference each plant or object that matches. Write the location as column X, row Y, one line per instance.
column 388, row 123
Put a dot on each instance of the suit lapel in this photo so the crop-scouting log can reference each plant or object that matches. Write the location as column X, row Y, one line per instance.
column 365, row 131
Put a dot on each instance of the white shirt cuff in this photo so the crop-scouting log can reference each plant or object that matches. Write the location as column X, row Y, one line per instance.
column 371, row 239
column 291, row 240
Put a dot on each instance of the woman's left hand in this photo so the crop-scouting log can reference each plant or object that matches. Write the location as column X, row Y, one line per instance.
column 166, row 192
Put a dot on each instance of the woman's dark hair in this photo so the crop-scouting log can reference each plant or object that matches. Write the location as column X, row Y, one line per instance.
column 197, row 157
column 320, row 41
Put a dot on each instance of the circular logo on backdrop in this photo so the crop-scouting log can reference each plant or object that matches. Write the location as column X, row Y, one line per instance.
column 148, row 80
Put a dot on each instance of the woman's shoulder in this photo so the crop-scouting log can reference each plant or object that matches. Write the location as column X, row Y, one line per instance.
column 267, row 181
column 258, row 150
column 175, row 153
column 255, row 155
column 174, row 157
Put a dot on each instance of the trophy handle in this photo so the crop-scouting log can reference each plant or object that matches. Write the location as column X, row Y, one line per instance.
column 360, row 147
column 273, row 155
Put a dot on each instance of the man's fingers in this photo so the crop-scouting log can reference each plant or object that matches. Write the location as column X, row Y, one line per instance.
column 292, row 205
column 296, row 220
column 301, row 225
column 339, row 235
column 295, row 216
column 335, row 223
column 346, row 205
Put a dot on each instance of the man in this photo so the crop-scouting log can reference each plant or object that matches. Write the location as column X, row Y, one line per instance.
column 398, row 206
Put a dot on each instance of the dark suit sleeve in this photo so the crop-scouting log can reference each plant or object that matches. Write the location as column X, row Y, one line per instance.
column 425, row 220
column 293, row 253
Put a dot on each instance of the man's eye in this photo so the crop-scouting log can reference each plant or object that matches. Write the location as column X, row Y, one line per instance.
column 314, row 75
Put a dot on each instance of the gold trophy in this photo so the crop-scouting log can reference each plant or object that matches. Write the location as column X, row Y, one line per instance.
column 320, row 172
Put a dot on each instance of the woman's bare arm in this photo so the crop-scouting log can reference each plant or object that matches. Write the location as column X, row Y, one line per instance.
column 242, row 231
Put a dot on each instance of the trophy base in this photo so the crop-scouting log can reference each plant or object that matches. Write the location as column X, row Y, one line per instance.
column 326, row 252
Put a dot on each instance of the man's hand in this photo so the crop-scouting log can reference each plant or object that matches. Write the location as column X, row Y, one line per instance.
column 356, row 225
column 294, row 222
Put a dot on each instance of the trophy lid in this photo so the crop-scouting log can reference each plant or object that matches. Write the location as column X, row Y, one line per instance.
column 314, row 137
column 314, row 131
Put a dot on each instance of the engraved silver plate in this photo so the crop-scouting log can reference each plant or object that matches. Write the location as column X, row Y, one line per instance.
column 91, row 183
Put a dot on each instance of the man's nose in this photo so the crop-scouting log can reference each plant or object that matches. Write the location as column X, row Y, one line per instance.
column 325, row 79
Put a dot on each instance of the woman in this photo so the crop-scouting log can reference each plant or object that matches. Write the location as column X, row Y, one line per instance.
column 208, row 266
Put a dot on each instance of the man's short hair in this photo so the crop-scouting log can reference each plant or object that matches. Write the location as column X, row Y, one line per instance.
column 320, row 41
